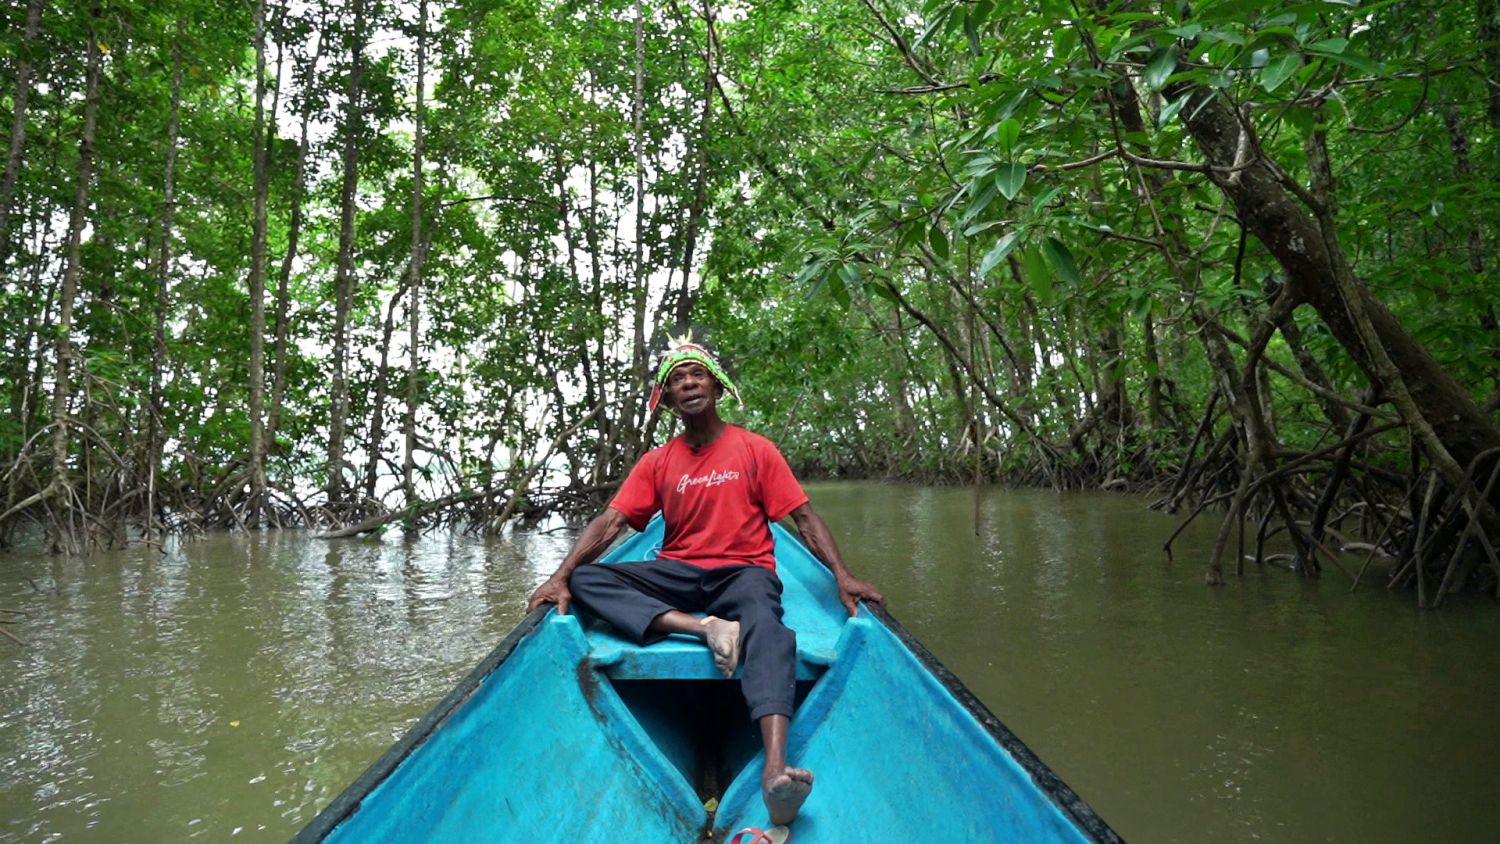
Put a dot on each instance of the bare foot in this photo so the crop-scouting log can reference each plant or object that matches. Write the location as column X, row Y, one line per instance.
column 724, row 640
column 785, row 791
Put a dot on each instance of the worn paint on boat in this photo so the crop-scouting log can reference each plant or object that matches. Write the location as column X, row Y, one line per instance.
column 568, row 732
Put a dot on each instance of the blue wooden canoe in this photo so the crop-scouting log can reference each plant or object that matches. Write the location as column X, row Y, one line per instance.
column 567, row 732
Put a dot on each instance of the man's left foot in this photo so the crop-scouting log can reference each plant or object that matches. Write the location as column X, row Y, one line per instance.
column 724, row 640
column 785, row 791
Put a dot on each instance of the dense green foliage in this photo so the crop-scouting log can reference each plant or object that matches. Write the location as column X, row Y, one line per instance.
column 935, row 239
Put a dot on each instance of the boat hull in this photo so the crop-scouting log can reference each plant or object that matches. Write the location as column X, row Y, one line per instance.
column 568, row 733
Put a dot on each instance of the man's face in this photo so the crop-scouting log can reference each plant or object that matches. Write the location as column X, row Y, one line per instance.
column 691, row 389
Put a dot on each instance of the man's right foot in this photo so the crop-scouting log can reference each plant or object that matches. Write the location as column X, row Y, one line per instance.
column 724, row 640
column 784, row 792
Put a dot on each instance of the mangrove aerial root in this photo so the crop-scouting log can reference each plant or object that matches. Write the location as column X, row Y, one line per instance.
column 1325, row 502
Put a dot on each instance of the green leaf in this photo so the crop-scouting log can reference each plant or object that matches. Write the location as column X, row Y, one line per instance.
column 1007, row 133
column 979, row 227
column 1064, row 41
column 1061, row 259
column 1225, row 37
column 1038, row 276
column 934, row 25
column 938, row 241
column 979, row 165
column 1278, row 70
column 1040, row 202
column 1083, row 222
column 849, row 275
column 1001, row 249
column 1129, row 44
column 809, row 270
column 1162, row 63
column 817, row 288
column 879, row 289
column 1302, row 118
column 971, row 31
column 1011, row 103
column 1187, row 31
column 1140, row 303
column 1331, row 46
column 1009, row 178
column 1171, row 111
column 1358, row 62
column 910, row 236
column 983, row 193
column 1274, row 35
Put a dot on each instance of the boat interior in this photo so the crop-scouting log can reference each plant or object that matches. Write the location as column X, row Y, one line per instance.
column 700, row 726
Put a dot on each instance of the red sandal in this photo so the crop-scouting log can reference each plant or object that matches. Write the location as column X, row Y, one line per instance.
column 774, row 835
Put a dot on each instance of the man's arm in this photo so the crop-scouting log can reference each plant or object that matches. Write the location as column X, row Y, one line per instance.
column 819, row 540
column 591, row 543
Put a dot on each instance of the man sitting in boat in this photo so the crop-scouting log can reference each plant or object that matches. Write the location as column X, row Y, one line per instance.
column 717, row 485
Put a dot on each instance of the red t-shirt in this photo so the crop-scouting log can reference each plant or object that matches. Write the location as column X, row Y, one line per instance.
column 716, row 502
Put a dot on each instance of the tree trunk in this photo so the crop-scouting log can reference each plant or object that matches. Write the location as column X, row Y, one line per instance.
column 257, row 283
column 1048, row 451
column 374, row 443
column 1240, row 399
column 18, row 366
column 1156, row 393
column 700, row 181
column 30, row 365
column 163, row 288
column 638, row 264
column 973, row 307
column 1310, row 367
column 413, row 371
column 1112, row 412
column 895, row 379
column 603, row 457
column 18, row 124
column 1458, row 141
column 344, row 277
column 1450, row 426
column 591, row 391
column 962, row 398
column 1487, row 14
column 23, row 387
column 281, row 360
column 63, row 536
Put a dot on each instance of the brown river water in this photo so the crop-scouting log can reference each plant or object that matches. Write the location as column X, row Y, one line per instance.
column 232, row 686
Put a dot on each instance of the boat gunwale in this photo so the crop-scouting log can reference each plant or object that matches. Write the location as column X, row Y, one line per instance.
column 354, row 794
column 1057, row 790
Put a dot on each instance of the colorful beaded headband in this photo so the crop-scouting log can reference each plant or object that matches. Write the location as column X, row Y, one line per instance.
column 686, row 351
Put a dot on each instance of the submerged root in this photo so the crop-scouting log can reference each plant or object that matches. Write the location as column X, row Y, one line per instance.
column 8, row 616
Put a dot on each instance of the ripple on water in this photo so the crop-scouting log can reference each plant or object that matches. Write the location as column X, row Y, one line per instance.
column 232, row 686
